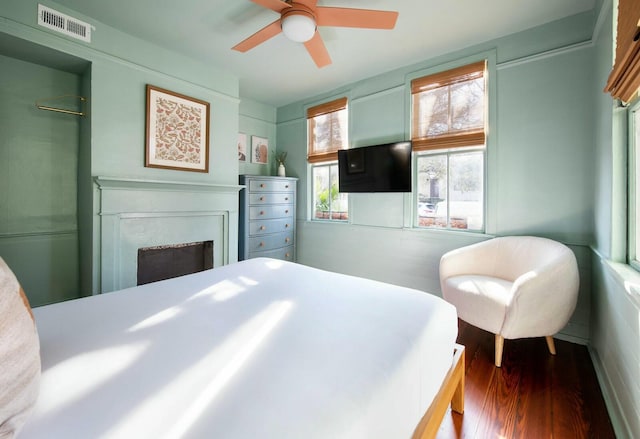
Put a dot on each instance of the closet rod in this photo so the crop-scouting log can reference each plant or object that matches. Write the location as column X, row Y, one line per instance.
column 61, row 110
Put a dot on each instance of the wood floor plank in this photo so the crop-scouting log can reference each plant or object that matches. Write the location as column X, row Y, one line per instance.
column 533, row 395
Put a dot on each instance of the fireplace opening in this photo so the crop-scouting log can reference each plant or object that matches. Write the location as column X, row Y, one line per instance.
column 168, row 261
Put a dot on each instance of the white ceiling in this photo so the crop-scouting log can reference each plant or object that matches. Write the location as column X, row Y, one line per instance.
column 279, row 71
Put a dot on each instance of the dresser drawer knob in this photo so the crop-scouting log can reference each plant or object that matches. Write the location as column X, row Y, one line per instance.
column 263, row 227
column 261, row 244
column 262, row 212
column 287, row 255
column 287, row 239
column 286, row 198
column 286, row 211
column 262, row 185
column 261, row 198
column 286, row 226
column 286, row 186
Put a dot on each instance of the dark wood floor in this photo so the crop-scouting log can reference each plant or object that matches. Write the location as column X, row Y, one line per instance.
column 533, row 394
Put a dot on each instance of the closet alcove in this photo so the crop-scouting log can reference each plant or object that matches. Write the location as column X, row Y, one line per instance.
column 45, row 170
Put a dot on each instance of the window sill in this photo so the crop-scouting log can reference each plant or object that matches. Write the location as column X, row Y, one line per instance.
column 626, row 276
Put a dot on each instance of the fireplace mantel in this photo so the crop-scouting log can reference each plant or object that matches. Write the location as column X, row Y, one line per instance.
column 135, row 213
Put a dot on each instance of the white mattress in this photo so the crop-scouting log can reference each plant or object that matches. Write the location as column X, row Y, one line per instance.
column 258, row 349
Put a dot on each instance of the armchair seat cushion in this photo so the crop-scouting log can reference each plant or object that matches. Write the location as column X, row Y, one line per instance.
column 480, row 300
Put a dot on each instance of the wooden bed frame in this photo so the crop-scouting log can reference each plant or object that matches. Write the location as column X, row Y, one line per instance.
column 451, row 391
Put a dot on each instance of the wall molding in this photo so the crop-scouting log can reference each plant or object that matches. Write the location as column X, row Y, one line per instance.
column 543, row 55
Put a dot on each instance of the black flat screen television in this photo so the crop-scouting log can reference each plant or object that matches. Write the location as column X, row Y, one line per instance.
column 376, row 168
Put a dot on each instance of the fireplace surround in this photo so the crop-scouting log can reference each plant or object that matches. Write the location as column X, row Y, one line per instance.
column 137, row 214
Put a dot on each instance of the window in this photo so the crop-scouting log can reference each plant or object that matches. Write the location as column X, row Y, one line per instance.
column 448, row 135
column 327, row 127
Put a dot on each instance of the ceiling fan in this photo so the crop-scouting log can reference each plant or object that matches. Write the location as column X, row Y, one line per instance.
column 299, row 20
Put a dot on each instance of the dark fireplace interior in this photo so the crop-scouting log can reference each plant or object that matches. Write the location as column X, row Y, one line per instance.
column 168, row 261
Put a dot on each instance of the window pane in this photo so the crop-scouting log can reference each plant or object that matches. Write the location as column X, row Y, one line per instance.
column 466, row 190
column 467, row 105
column 327, row 131
column 328, row 202
column 434, row 112
column 432, row 190
column 321, row 200
column 451, row 190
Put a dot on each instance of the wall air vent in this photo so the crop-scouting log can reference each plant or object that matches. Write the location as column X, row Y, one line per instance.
column 64, row 24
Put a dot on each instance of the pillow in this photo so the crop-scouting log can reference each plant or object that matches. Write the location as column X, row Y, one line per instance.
column 19, row 355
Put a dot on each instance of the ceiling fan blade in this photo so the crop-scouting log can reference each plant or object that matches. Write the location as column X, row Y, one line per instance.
column 311, row 4
column 316, row 48
column 364, row 18
column 269, row 31
column 275, row 5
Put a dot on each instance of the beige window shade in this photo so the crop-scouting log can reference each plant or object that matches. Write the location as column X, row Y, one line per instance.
column 327, row 125
column 624, row 79
column 449, row 108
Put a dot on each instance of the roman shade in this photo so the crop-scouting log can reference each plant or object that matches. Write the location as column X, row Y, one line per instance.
column 446, row 111
column 331, row 131
column 624, row 80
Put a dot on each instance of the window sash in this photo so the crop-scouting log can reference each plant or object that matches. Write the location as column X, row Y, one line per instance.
column 450, row 218
column 452, row 138
column 333, row 109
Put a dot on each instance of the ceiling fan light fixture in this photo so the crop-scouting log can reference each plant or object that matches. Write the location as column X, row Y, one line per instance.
column 298, row 26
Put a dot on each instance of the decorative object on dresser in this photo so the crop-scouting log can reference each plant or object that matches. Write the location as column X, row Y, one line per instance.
column 177, row 131
column 281, row 157
column 267, row 217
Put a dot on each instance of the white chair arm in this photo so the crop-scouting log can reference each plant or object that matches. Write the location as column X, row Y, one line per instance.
column 473, row 259
column 553, row 286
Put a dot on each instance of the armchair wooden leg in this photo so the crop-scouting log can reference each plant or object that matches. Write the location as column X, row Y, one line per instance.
column 499, row 346
column 551, row 345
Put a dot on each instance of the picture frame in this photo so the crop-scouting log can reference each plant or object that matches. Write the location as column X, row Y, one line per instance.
column 259, row 150
column 242, row 147
column 177, row 131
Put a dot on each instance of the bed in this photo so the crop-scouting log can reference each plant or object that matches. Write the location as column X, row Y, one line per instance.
column 260, row 348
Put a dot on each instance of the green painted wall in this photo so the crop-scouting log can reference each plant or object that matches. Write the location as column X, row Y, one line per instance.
column 539, row 168
column 257, row 119
column 615, row 317
column 38, row 180
column 120, row 68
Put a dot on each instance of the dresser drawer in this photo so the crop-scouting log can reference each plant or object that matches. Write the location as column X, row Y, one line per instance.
column 270, row 186
column 271, row 198
column 285, row 253
column 263, row 227
column 268, row 212
column 270, row 242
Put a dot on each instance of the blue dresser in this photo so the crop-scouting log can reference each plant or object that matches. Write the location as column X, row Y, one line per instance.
column 267, row 217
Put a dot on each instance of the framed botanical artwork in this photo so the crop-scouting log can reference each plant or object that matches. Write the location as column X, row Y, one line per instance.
column 242, row 147
column 177, row 131
column 259, row 150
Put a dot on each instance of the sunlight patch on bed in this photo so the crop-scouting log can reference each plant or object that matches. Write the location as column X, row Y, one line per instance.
column 221, row 291
column 78, row 376
column 156, row 319
column 274, row 264
column 205, row 378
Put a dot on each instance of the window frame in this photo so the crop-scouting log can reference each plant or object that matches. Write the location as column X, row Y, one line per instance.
column 470, row 140
column 633, row 134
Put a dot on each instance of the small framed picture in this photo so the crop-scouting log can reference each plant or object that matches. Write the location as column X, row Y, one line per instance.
column 177, row 131
column 242, row 147
column 259, row 150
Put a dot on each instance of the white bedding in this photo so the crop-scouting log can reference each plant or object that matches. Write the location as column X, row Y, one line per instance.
column 258, row 349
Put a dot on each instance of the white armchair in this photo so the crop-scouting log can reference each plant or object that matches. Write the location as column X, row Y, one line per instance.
column 514, row 287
